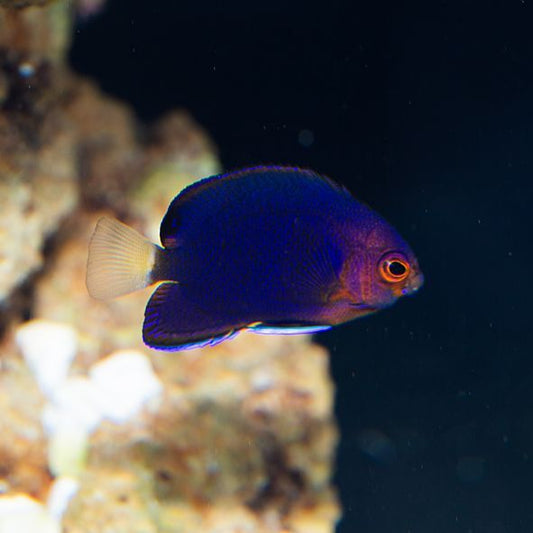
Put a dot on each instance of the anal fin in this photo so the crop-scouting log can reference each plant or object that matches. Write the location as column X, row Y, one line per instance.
column 173, row 322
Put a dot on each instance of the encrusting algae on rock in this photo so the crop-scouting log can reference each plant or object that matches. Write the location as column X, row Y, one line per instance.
column 247, row 428
column 98, row 432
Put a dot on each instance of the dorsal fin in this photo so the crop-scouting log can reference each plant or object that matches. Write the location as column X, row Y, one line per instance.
column 217, row 192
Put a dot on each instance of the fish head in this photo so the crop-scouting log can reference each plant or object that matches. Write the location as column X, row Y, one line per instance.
column 382, row 269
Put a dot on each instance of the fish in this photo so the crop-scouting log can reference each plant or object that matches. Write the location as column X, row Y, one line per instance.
column 269, row 249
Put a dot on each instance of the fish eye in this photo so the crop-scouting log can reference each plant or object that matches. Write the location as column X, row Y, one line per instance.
column 394, row 268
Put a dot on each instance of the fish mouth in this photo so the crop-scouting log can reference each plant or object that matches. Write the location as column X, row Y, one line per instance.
column 417, row 282
column 414, row 284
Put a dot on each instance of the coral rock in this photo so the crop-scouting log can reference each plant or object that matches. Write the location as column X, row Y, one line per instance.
column 221, row 451
column 233, row 438
column 33, row 200
column 23, row 458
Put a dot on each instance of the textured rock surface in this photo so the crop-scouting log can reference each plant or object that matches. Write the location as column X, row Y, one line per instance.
column 235, row 438
column 32, row 207
column 39, row 30
column 23, row 459
column 244, row 426
column 47, row 144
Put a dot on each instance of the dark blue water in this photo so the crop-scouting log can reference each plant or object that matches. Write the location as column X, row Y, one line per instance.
column 426, row 113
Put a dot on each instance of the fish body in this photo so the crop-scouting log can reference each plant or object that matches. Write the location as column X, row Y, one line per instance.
column 271, row 249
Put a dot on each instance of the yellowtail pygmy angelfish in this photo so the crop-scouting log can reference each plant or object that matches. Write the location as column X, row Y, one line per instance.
column 270, row 249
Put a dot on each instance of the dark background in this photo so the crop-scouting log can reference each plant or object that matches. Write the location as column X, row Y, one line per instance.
column 425, row 111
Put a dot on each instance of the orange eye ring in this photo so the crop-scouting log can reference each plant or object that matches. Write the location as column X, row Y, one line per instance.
column 394, row 268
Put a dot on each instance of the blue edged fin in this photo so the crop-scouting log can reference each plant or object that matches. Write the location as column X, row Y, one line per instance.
column 265, row 329
column 172, row 322
column 202, row 343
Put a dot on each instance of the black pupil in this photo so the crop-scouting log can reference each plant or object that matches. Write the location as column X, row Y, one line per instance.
column 397, row 269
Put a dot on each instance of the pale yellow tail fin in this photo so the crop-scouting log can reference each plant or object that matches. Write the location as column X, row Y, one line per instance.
column 120, row 260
